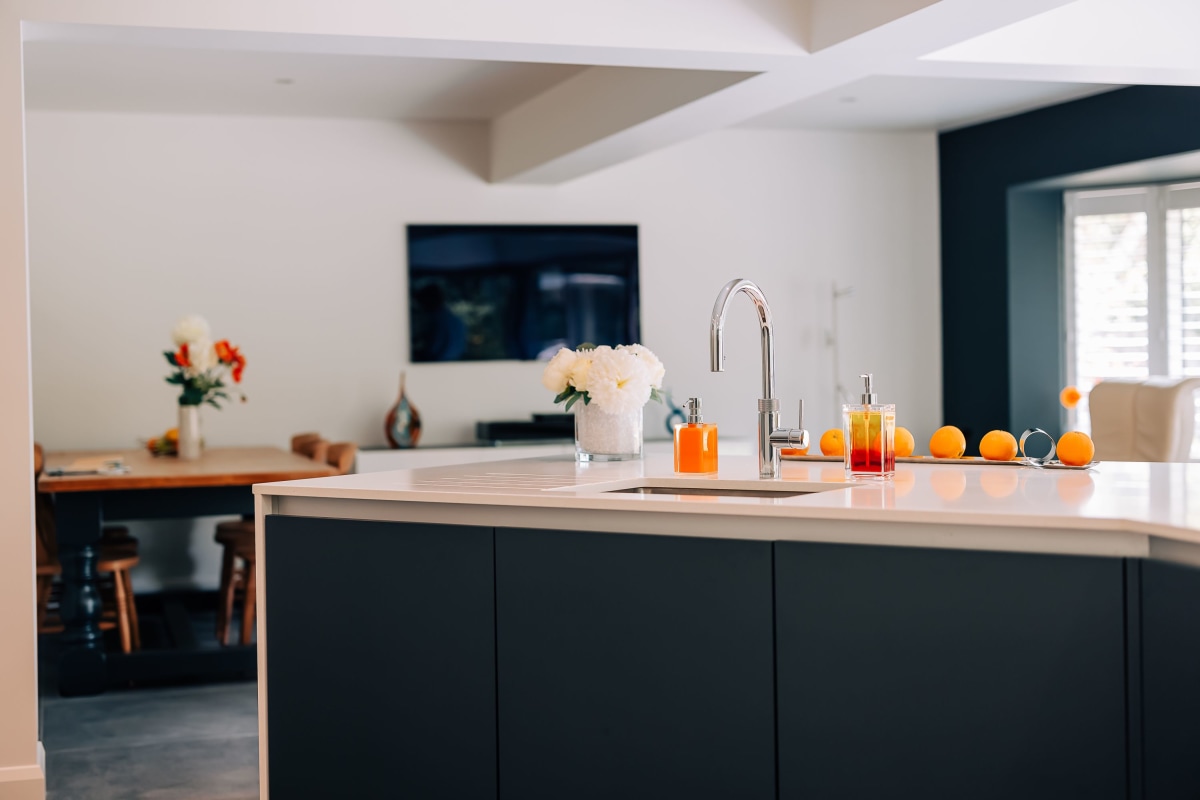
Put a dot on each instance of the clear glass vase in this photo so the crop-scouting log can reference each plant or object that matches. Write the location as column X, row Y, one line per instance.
column 191, row 439
column 601, row 436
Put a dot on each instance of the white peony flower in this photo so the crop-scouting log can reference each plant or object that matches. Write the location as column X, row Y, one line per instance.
column 558, row 372
column 657, row 370
column 579, row 374
column 618, row 381
column 202, row 356
column 192, row 328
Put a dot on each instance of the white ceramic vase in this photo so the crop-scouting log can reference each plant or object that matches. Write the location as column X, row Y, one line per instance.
column 191, row 440
column 601, row 436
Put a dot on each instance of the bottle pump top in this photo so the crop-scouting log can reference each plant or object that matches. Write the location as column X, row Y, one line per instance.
column 694, row 414
column 869, row 397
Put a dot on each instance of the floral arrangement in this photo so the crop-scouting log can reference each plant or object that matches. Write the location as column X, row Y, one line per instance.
column 617, row 379
column 200, row 363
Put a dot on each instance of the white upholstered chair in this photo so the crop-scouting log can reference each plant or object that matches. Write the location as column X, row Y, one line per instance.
column 1143, row 420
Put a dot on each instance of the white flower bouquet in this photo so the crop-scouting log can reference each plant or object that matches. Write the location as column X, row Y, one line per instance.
column 618, row 379
column 613, row 383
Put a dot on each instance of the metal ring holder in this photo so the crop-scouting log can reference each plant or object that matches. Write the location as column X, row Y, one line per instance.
column 1037, row 461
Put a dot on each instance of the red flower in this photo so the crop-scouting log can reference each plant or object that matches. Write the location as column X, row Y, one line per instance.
column 225, row 351
column 239, row 365
column 181, row 358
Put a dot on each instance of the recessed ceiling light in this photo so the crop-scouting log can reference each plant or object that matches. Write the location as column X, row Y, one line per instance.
column 284, row 81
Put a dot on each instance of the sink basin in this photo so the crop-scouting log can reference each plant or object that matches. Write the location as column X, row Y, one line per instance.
column 703, row 487
column 714, row 491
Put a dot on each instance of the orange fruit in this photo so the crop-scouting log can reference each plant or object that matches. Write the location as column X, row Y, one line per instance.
column 947, row 442
column 998, row 446
column 172, row 435
column 831, row 443
column 793, row 451
column 1070, row 397
column 898, row 440
column 1075, row 449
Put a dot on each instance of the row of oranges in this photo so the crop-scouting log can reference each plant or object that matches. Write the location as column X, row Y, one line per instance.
column 1074, row 448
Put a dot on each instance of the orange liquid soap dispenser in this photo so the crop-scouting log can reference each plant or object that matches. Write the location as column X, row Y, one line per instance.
column 869, row 433
column 695, row 442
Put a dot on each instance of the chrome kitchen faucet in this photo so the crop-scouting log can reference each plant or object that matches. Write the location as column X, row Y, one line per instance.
column 771, row 438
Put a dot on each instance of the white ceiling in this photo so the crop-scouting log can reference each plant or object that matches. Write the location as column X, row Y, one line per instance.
column 893, row 65
column 121, row 77
column 1158, row 34
column 887, row 102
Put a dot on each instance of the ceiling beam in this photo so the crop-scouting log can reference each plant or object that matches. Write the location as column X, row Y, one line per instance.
column 747, row 35
column 527, row 145
column 592, row 106
column 1052, row 73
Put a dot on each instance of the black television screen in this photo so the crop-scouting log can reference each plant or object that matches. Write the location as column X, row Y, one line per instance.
column 481, row 292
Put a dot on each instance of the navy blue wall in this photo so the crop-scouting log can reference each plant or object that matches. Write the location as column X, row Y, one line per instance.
column 979, row 165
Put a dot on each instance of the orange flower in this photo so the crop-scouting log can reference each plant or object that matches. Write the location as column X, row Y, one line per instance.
column 1070, row 397
column 225, row 351
column 239, row 365
column 181, row 358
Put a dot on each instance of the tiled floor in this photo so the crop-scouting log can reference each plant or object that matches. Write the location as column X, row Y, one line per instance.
column 159, row 744
column 195, row 742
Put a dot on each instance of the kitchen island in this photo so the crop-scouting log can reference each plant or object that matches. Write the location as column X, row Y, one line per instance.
column 542, row 629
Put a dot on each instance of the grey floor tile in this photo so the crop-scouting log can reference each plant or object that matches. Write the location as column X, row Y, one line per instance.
column 206, row 769
column 143, row 716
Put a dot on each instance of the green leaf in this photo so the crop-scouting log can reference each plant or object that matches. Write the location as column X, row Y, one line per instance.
column 212, row 401
column 656, row 395
column 171, row 358
column 571, row 402
column 564, row 394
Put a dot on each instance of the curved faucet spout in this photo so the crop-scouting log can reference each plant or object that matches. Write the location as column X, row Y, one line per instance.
column 716, row 340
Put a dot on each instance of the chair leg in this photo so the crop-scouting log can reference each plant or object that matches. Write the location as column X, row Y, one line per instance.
column 225, row 596
column 122, row 612
column 135, row 628
column 248, row 602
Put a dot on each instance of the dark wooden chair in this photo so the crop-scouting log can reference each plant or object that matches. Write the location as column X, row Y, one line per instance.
column 118, row 556
column 236, row 538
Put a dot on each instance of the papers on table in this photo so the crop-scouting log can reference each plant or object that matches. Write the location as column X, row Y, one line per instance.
column 94, row 465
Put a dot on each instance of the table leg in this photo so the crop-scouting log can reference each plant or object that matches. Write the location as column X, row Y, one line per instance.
column 81, row 666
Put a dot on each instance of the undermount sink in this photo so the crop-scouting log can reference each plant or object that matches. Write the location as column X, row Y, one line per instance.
column 715, row 491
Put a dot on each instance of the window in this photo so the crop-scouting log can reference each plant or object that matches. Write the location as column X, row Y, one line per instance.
column 1132, row 286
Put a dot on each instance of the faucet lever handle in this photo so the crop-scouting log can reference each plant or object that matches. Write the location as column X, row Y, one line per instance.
column 800, row 418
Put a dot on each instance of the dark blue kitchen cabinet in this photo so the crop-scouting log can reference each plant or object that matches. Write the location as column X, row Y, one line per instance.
column 906, row 672
column 1170, row 679
column 443, row 661
column 381, row 668
column 634, row 667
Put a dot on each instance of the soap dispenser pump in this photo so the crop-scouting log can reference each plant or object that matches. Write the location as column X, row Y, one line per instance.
column 695, row 442
column 869, row 433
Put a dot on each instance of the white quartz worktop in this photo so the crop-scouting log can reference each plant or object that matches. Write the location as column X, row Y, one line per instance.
column 1116, row 509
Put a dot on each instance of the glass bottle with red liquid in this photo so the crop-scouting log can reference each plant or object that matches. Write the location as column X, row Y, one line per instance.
column 869, row 433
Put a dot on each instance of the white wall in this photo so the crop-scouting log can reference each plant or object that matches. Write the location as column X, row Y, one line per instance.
column 289, row 235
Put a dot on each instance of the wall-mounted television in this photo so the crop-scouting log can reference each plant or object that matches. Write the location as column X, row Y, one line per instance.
column 483, row 292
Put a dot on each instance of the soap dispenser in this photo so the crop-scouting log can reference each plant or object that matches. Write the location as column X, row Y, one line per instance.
column 695, row 442
column 869, row 433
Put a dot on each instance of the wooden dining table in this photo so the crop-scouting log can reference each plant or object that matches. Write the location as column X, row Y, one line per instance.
column 154, row 487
